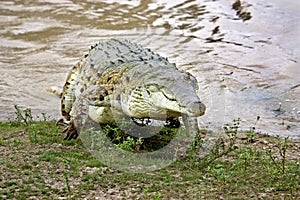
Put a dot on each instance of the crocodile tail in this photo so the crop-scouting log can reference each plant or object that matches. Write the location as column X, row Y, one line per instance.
column 68, row 94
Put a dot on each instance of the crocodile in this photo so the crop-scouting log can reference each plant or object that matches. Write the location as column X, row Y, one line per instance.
column 120, row 78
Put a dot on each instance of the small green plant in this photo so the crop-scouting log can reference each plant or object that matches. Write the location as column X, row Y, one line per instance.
column 18, row 142
column 19, row 113
column 23, row 116
column 245, row 157
column 198, row 142
column 157, row 196
column 45, row 118
column 251, row 132
column 231, row 132
column 282, row 147
column 146, row 192
column 66, row 176
column 33, row 133
column 283, row 172
column 125, row 141
column 221, row 148
column 219, row 172
column 130, row 144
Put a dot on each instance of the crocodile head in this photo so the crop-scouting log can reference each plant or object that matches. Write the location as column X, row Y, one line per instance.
column 163, row 95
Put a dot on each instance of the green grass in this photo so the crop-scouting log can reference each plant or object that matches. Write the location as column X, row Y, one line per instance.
column 35, row 161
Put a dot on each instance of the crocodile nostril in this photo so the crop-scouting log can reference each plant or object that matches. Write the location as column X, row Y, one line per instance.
column 196, row 109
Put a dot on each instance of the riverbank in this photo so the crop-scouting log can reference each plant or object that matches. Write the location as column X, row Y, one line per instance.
column 37, row 163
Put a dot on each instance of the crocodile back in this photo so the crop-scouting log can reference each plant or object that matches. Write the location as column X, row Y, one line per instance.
column 100, row 57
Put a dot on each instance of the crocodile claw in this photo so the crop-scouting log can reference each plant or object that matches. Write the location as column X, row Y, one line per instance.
column 62, row 122
column 71, row 131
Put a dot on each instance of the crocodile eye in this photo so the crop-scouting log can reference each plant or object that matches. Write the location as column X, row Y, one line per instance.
column 152, row 88
column 101, row 97
column 187, row 76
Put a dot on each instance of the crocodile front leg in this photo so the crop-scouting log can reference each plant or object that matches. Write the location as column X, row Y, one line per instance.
column 95, row 103
column 70, row 131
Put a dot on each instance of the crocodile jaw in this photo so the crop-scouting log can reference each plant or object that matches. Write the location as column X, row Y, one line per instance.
column 194, row 108
column 160, row 104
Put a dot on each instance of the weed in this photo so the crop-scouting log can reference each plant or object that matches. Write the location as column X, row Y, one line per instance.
column 126, row 142
column 251, row 132
column 130, row 144
column 33, row 133
column 23, row 116
column 20, row 117
column 231, row 132
column 28, row 115
column 66, row 176
column 48, row 158
column 157, row 196
column 246, row 157
column 94, row 163
column 18, row 142
column 10, row 183
column 221, row 149
column 30, row 181
column 26, row 166
column 286, row 175
column 282, row 147
column 146, row 192
column 45, row 118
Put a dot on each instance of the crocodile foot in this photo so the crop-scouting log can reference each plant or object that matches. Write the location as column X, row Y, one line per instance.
column 62, row 122
column 71, row 131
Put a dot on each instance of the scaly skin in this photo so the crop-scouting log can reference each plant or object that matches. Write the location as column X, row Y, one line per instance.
column 121, row 78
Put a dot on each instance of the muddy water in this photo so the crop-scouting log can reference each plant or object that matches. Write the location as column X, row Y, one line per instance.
column 245, row 56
